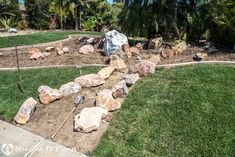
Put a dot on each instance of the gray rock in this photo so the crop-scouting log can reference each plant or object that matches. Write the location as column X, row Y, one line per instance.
column 12, row 30
column 65, row 50
column 70, row 88
column 113, row 42
column 198, row 57
column 79, row 99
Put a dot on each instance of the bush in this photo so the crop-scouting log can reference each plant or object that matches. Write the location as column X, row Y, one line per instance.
column 22, row 25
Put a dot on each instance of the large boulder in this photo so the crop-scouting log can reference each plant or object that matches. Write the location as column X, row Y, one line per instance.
column 104, row 99
column 117, row 62
column 85, row 49
column 131, row 79
column 113, row 42
column 144, row 68
column 120, row 89
column 48, row 95
column 106, row 72
column 90, row 80
column 89, row 119
column 26, row 111
column 70, row 88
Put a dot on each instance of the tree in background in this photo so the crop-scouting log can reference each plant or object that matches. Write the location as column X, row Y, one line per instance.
column 38, row 13
column 149, row 18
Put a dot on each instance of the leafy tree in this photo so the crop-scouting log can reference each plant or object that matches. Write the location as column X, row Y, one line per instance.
column 9, row 8
column 38, row 13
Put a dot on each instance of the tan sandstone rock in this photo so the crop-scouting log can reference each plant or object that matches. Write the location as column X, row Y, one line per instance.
column 90, row 80
column 144, row 68
column 48, row 95
column 117, row 62
column 85, row 49
column 26, row 111
column 89, row 119
column 104, row 99
column 106, row 72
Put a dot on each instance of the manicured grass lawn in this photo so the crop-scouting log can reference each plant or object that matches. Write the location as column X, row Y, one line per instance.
column 40, row 37
column 11, row 97
column 187, row 111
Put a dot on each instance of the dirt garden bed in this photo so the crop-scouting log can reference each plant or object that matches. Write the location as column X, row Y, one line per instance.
column 48, row 118
column 7, row 60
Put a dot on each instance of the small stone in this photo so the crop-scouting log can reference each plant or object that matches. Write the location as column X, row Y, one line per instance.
column 1, row 54
column 155, row 43
column 33, row 50
column 79, row 99
column 70, row 88
column 85, row 49
column 65, row 50
column 37, row 55
column 89, row 119
column 59, row 51
column 200, row 56
column 50, row 48
column 46, row 54
column 106, row 72
column 12, row 30
column 48, row 95
column 120, row 90
column 26, row 111
column 144, row 68
column 131, row 79
column 90, row 40
column 117, row 62
column 90, row 80
column 104, row 99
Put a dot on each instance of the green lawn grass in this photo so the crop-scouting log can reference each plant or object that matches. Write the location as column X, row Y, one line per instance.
column 11, row 97
column 40, row 37
column 188, row 111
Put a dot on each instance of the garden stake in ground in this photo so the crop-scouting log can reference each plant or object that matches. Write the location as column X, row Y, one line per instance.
column 20, row 83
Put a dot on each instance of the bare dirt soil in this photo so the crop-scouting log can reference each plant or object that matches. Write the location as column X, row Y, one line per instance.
column 8, row 59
